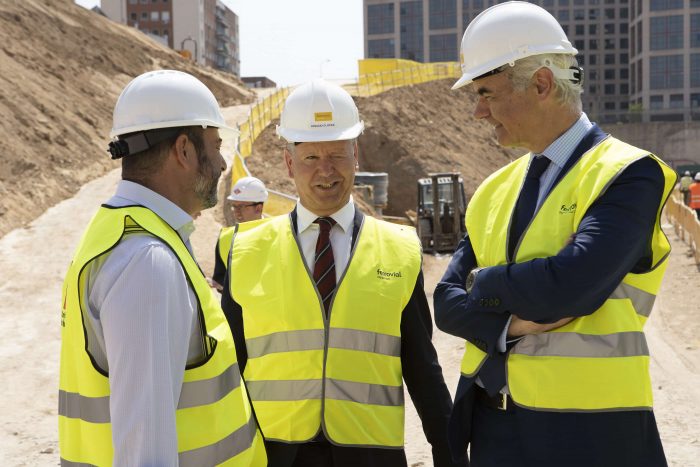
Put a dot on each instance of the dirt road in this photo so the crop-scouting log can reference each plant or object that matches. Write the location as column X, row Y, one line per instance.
column 34, row 259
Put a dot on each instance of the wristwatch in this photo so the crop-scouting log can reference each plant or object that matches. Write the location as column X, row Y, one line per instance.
column 471, row 278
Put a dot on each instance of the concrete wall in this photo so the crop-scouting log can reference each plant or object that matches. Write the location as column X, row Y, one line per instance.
column 115, row 10
column 188, row 21
column 676, row 143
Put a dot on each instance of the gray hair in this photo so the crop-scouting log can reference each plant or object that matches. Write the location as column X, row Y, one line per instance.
column 291, row 147
column 566, row 92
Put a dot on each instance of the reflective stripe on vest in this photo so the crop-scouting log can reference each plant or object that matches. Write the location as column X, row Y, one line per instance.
column 214, row 418
column 595, row 362
column 306, row 373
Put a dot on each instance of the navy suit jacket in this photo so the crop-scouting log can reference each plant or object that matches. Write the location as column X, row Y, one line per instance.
column 613, row 239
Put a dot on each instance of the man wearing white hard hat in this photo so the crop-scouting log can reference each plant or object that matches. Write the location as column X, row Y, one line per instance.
column 331, row 308
column 684, row 186
column 148, row 366
column 248, row 197
column 560, row 266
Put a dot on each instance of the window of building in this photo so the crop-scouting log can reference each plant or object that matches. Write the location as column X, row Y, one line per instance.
column 624, row 73
column 633, row 70
column 694, row 3
column 609, row 28
column 443, row 48
column 609, row 44
column 624, row 105
column 624, row 89
column 624, row 28
column 666, row 32
column 639, row 37
column 165, row 16
column 143, row 2
column 443, row 14
column 380, row 18
column 465, row 14
column 592, row 29
column 579, row 15
column 548, row 3
column 609, row 106
column 610, row 13
column 411, row 25
column 579, row 2
column 609, row 73
column 563, row 2
column 695, row 70
column 563, row 15
column 565, row 27
column 624, row 58
column 380, row 48
column 593, row 75
column 155, row 15
column 581, row 59
column 144, row 16
column 656, row 102
column 134, row 16
column 580, row 30
column 695, row 30
column 579, row 44
column 666, row 71
column 155, row 32
column 640, row 75
column 675, row 101
column 593, row 88
column 609, row 89
column 133, row 2
column 609, row 59
column 695, row 100
column 624, row 43
column 624, row 13
column 593, row 59
column 593, row 13
column 659, row 5
column 593, row 44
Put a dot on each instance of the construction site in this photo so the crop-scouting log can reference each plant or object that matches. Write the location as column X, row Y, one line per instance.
column 56, row 101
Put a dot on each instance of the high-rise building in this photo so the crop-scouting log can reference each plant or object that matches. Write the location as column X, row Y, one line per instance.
column 206, row 28
column 637, row 54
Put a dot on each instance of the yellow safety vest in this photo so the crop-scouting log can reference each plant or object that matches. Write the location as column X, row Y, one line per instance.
column 597, row 362
column 225, row 237
column 306, row 373
column 215, row 425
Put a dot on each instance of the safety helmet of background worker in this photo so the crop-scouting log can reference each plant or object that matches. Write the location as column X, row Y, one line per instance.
column 154, row 105
column 686, row 173
column 248, row 189
column 511, row 31
column 697, row 177
column 319, row 111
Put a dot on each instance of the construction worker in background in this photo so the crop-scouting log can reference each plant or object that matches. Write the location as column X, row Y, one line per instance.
column 331, row 307
column 248, row 197
column 558, row 272
column 684, row 186
column 694, row 192
column 148, row 367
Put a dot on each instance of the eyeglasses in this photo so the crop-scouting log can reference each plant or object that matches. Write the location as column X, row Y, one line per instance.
column 239, row 207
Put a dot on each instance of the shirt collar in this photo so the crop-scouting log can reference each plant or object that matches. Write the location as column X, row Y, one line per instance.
column 561, row 149
column 130, row 193
column 344, row 217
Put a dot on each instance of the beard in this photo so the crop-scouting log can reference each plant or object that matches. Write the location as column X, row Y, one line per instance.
column 205, row 185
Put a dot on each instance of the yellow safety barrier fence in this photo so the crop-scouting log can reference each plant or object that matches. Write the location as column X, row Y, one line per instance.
column 379, row 74
column 260, row 116
column 685, row 222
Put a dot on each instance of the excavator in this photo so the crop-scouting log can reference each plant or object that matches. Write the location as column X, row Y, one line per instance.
column 440, row 211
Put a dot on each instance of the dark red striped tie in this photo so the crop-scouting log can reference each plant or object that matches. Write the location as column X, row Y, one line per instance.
column 324, row 265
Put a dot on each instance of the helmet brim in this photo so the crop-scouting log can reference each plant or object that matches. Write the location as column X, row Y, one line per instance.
column 314, row 136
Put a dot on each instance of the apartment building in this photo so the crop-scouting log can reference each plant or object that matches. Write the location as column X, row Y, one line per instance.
column 637, row 54
column 208, row 29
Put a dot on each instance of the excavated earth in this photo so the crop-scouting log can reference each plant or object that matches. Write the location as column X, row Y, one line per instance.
column 62, row 68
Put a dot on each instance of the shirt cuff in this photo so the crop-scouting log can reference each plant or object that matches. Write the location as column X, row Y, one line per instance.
column 502, row 339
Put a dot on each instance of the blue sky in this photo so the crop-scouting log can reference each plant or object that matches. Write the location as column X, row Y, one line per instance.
column 294, row 41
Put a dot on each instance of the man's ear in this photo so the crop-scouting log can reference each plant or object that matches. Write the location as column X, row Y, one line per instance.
column 544, row 82
column 184, row 151
column 288, row 162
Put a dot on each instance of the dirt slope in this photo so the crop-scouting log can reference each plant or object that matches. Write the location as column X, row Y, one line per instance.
column 409, row 132
column 62, row 69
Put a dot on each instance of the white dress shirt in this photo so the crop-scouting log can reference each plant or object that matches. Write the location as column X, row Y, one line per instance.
column 143, row 327
column 340, row 236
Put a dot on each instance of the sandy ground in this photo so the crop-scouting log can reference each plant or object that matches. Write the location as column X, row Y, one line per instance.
column 34, row 259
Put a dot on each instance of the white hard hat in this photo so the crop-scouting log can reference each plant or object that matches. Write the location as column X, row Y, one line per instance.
column 508, row 32
column 319, row 111
column 687, row 172
column 697, row 177
column 165, row 99
column 248, row 189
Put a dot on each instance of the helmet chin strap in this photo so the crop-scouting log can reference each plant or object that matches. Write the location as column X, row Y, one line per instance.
column 573, row 73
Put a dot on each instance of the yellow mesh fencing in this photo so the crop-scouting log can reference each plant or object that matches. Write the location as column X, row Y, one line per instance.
column 685, row 222
column 381, row 74
column 259, row 117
